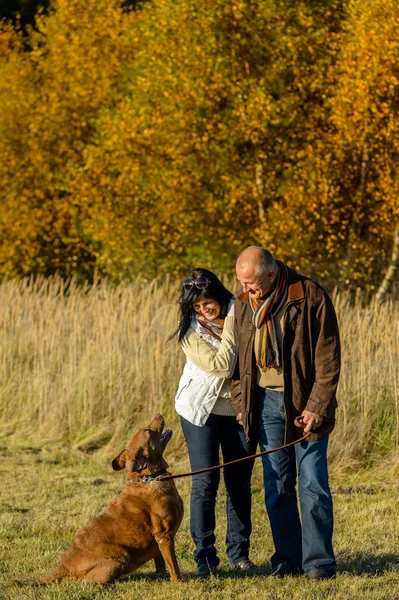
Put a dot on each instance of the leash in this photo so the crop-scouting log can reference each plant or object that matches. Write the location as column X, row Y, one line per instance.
column 298, row 422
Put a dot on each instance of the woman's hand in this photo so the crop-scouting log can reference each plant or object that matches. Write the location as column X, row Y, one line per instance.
column 219, row 322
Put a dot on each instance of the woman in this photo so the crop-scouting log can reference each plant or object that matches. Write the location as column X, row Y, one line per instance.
column 206, row 334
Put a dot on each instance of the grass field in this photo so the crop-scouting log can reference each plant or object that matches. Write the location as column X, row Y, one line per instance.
column 82, row 367
column 47, row 495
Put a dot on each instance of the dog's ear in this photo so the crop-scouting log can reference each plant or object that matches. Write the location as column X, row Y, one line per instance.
column 119, row 461
column 140, row 461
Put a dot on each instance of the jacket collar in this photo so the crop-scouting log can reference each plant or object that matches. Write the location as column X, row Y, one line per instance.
column 196, row 326
column 296, row 290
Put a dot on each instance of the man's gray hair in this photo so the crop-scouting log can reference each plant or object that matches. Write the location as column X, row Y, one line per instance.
column 265, row 262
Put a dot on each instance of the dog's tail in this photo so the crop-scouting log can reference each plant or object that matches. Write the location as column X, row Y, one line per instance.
column 53, row 577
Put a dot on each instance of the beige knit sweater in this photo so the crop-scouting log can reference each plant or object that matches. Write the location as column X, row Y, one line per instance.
column 218, row 362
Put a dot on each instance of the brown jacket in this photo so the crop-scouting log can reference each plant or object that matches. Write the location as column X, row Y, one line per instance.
column 311, row 357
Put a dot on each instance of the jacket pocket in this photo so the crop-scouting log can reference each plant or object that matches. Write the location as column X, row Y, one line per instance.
column 196, row 395
column 182, row 389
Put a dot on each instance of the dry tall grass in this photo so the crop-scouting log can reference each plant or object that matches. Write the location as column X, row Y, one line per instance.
column 86, row 363
column 368, row 394
column 81, row 362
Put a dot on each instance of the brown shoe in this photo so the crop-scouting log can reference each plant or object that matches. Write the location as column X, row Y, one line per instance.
column 319, row 575
column 245, row 566
column 284, row 570
column 205, row 570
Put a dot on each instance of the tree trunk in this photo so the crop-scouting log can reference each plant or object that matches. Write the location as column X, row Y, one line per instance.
column 259, row 193
column 393, row 266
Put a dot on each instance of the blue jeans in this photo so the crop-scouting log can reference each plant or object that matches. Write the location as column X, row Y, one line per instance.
column 297, row 548
column 203, row 445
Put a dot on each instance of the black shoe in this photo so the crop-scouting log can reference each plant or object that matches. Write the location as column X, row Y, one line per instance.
column 205, row 569
column 319, row 575
column 245, row 566
column 284, row 570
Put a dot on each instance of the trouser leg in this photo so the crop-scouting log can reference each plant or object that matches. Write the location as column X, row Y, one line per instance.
column 237, row 480
column 279, row 472
column 203, row 449
column 316, row 507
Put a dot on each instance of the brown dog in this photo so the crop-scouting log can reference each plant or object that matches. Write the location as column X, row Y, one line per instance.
column 139, row 525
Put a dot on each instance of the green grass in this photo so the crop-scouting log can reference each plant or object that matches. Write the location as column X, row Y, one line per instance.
column 46, row 495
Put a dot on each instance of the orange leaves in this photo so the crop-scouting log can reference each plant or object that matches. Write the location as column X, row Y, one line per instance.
column 183, row 132
column 53, row 95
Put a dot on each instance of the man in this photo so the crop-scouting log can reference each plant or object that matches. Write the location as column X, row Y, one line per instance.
column 289, row 363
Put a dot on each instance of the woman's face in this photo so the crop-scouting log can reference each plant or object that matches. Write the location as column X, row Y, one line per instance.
column 207, row 308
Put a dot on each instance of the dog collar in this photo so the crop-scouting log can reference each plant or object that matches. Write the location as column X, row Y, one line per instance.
column 148, row 478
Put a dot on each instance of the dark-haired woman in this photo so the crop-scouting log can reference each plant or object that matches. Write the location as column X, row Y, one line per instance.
column 206, row 334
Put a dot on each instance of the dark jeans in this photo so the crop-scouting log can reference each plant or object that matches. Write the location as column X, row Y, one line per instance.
column 203, row 445
column 298, row 548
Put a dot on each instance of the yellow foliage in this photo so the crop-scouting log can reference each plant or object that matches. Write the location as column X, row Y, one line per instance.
column 152, row 140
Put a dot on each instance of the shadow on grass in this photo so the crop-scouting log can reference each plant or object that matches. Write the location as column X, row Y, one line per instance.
column 362, row 564
column 221, row 573
column 368, row 564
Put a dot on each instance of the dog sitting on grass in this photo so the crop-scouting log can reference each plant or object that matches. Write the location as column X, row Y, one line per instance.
column 137, row 526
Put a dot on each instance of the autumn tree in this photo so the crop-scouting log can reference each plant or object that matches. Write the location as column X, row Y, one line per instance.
column 364, row 140
column 153, row 140
column 50, row 99
column 340, row 206
column 218, row 93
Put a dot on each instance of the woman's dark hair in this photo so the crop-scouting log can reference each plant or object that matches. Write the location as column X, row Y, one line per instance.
column 215, row 291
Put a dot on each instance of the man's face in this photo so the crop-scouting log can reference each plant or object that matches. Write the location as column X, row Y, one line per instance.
column 256, row 286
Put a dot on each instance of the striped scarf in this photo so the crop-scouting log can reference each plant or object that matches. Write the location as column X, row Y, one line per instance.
column 267, row 352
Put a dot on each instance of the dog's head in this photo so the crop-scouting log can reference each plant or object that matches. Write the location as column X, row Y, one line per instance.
column 145, row 449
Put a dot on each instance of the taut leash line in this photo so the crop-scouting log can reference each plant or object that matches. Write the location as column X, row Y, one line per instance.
column 298, row 423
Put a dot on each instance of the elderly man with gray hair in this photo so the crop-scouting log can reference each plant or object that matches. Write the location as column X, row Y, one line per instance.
column 289, row 364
